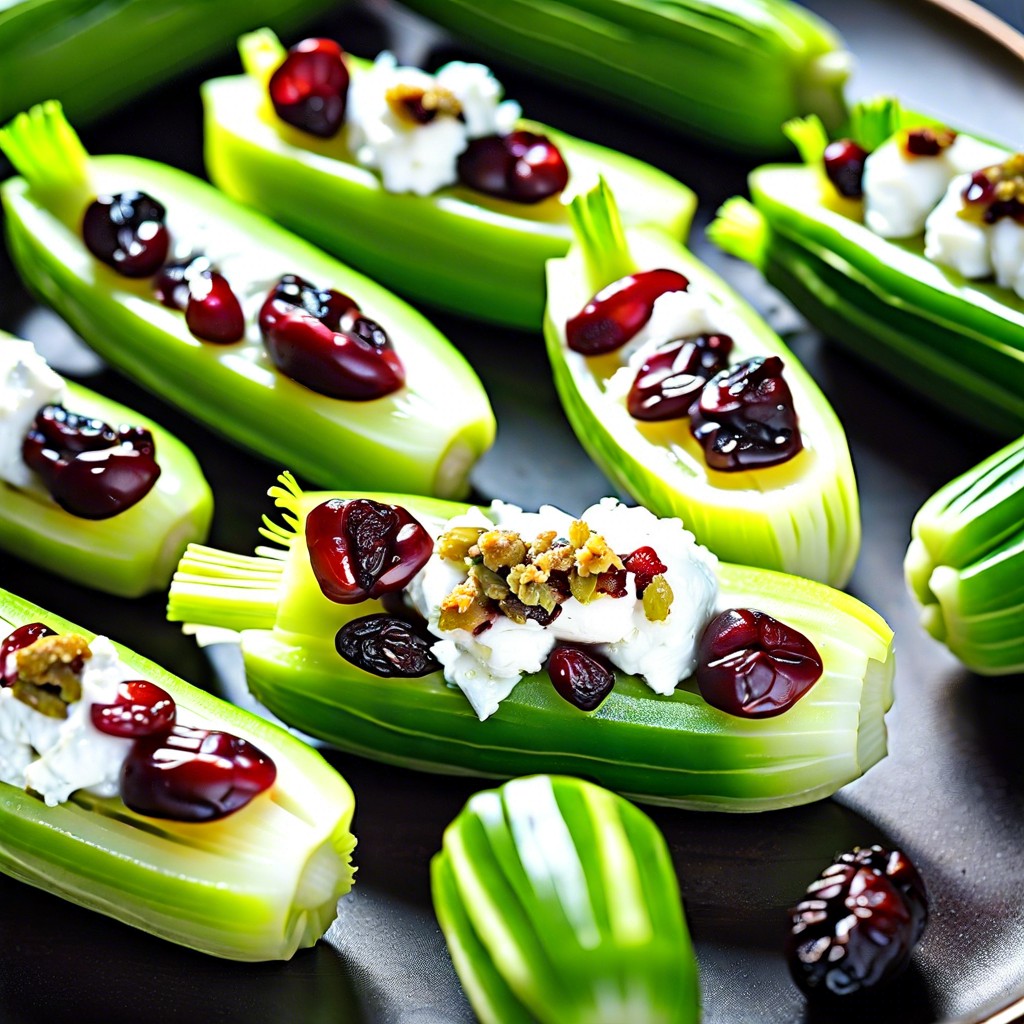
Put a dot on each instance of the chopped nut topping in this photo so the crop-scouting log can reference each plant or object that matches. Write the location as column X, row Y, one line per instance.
column 595, row 557
column 560, row 559
column 995, row 192
column 49, row 672
column 542, row 542
column 578, row 533
column 416, row 105
column 501, row 549
column 462, row 596
column 529, row 584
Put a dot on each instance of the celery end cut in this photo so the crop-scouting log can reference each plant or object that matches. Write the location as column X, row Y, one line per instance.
column 740, row 230
column 256, row 885
column 261, row 52
column 595, row 219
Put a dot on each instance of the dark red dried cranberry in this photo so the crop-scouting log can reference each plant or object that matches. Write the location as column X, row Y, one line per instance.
column 90, row 469
column 844, row 167
column 645, row 564
column 213, row 312
column 15, row 641
column 927, row 141
column 141, row 709
column 616, row 313
column 360, row 548
column 744, row 418
column 126, row 231
column 673, row 376
column 319, row 339
column 386, row 646
column 170, row 286
column 518, row 611
column 187, row 774
column 612, row 583
column 523, row 167
column 581, row 678
column 858, row 925
column 310, row 88
column 751, row 665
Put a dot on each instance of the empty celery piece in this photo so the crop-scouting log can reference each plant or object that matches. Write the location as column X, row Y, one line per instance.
column 256, row 885
column 128, row 554
column 673, row 750
column 560, row 904
column 458, row 248
column 965, row 563
column 800, row 517
column 425, row 436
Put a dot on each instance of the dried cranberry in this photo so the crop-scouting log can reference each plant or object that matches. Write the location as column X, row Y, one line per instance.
column 616, row 313
column 141, row 709
column 188, row 774
column 645, row 564
column 213, row 312
column 90, row 469
column 745, row 418
column 844, row 167
column 523, row 167
column 674, row 375
column 360, row 548
column 310, row 88
column 15, row 641
column 927, row 141
column 980, row 189
column 859, row 923
column 581, row 678
column 319, row 339
column 612, row 583
column 126, row 231
column 386, row 646
column 520, row 611
column 751, row 665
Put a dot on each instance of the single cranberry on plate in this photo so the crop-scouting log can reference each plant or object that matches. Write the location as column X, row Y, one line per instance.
column 615, row 314
column 310, row 88
column 141, row 708
column 674, row 375
column 523, row 167
column 844, row 167
column 127, row 232
column 320, row 339
column 360, row 548
column 582, row 678
column 751, row 665
column 386, row 646
column 18, row 639
column 213, row 312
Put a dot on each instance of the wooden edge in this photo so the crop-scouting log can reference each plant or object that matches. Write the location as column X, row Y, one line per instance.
column 990, row 25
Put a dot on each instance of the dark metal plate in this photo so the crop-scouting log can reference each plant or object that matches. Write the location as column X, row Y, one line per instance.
column 950, row 793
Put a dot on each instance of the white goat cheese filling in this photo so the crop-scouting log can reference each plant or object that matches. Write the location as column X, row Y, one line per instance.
column 486, row 667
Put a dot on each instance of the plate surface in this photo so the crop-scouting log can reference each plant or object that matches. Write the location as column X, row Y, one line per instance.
column 950, row 793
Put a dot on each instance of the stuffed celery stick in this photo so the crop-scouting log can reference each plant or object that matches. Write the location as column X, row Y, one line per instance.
column 430, row 183
column 89, row 489
column 965, row 563
column 128, row 791
column 559, row 902
column 246, row 327
column 441, row 637
column 691, row 404
column 895, row 242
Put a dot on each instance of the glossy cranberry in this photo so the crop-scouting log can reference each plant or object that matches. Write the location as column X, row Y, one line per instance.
column 645, row 564
column 170, row 286
column 980, row 189
column 319, row 339
column 858, row 924
column 753, row 666
column 187, row 774
column 581, row 678
column 744, row 418
column 90, row 469
column 141, row 709
column 844, row 166
column 523, row 167
column 673, row 376
column 360, row 548
column 310, row 88
column 386, row 646
column 616, row 313
column 213, row 312
column 15, row 641
column 126, row 231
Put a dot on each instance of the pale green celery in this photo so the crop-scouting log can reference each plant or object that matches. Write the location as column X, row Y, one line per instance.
column 965, row 564
column 675, row 750
column 256, row 885
column 560, row 905
column 801, row 517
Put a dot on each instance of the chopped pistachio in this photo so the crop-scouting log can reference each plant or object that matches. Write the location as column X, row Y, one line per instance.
column 44, row 699
column 595, row 557
column 489, row 582
column 501, row 549
column 529, row 584
column 456, row 544
column 582, row 587
column 578, row 533
column 560, row 559
column 657, row 599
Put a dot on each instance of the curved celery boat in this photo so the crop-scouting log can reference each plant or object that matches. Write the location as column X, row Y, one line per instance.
column 256, row 885
column 959, row 343
column 965, row 564
column 131, row 553
column 458, row 248
column 423, row 437
column 559, row 903
column 672, row 750
column 729, row 71
column 801, row 517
